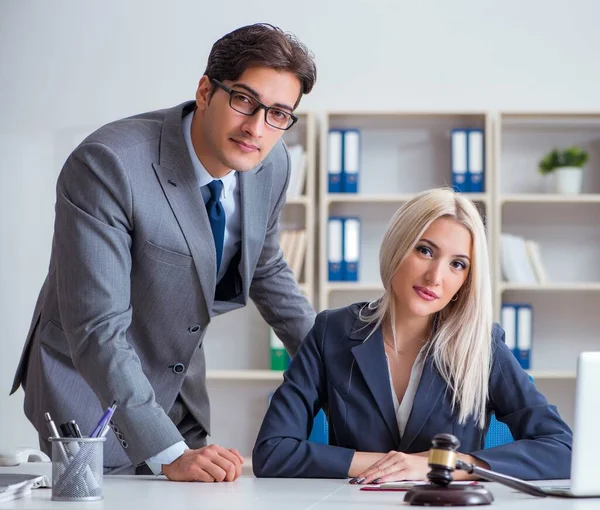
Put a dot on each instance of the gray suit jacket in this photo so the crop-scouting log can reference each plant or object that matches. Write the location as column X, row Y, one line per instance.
column 131, row 285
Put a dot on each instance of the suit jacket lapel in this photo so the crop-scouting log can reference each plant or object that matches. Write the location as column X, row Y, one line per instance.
column 255, row 190
column 180, row 185
column 371, row 359
column 430, row 390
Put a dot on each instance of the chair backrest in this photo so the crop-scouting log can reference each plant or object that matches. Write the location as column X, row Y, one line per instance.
column 320, row 430
column 498, row 433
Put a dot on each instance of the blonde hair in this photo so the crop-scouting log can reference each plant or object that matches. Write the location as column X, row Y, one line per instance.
column 462, row 336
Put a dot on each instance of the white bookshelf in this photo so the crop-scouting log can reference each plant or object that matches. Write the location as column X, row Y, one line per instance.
column 566, row 227
column 402, row 154
column 236, row 344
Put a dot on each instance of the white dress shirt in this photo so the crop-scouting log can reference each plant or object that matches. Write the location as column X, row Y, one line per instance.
column 230, row 199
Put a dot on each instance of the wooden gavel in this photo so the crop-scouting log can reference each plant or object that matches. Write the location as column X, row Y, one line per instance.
column 443, row 460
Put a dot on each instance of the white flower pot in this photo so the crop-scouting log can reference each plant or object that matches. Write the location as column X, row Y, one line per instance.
column 568, row 180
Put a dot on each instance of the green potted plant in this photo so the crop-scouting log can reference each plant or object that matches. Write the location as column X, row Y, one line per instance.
column 567, row 164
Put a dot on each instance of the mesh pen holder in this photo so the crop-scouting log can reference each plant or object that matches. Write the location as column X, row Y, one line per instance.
column 77, row 468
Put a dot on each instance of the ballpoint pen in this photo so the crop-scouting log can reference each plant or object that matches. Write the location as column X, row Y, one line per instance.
column 70, row 429
column 76, row 429
column 106, row 427
column 106, row 417
column 54, row 434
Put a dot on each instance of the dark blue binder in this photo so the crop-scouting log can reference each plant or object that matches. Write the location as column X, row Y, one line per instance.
column 335, row 155
column 476, row 160
column 351, row 251
column 335, row 248
column 351, row 160
column 459, row 161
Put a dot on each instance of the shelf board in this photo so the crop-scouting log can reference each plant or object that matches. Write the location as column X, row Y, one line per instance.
column 553, row 287
column 551, row 374
column 405, row 113
column 580, row 119
column 244, row 375
column 301, row 200
column 390, row 198
column 353, row 286
column 551, row 198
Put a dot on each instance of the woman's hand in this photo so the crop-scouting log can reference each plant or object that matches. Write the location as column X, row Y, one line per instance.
column 395, row 466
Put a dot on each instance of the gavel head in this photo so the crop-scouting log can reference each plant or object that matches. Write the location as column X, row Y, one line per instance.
column 442, row 459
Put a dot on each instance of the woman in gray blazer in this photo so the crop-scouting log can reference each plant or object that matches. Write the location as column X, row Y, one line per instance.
column 424, row 358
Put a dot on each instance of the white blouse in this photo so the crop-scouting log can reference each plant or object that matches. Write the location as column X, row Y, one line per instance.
column 403, row 409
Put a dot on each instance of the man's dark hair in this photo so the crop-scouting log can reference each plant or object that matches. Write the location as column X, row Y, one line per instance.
column 261, row 45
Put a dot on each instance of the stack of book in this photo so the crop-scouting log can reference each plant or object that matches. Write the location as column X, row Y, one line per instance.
column 293, row 246
column 521, row 261
column 298, row 171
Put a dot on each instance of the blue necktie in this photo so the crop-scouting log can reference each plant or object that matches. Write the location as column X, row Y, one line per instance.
column 216, row 216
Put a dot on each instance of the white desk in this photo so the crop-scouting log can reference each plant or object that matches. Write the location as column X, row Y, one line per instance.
column 249, row 493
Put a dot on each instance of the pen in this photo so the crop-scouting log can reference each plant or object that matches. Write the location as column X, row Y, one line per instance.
column 104, row 431
column 66, row 430
column 54, row 433
column 106, row 427
column 51, row 426
column 106, row 417
column 76, row 429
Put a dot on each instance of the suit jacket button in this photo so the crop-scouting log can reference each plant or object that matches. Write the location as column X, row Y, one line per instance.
column 194, row 329
column 178, row 368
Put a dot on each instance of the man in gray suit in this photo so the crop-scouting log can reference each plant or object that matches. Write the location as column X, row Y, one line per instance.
column 163, row 221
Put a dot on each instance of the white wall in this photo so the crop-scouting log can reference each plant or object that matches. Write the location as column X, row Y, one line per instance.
column 69, row 66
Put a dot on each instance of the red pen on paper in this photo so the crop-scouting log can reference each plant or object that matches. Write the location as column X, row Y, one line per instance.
column 404, row 486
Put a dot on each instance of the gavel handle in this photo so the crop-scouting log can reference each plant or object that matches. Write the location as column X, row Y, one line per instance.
column 509, row 481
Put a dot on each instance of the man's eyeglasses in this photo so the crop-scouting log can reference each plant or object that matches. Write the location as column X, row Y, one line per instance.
column 248, row 105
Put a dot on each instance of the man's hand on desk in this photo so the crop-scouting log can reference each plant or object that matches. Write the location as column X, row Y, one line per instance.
column 209, row 464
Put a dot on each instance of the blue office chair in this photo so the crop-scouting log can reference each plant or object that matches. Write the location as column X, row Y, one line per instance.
column 498, row 433
column 320, row 430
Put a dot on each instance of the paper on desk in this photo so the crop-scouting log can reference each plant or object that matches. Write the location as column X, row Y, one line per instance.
column 404, row 486
column 16, row 485
column 401, row 485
